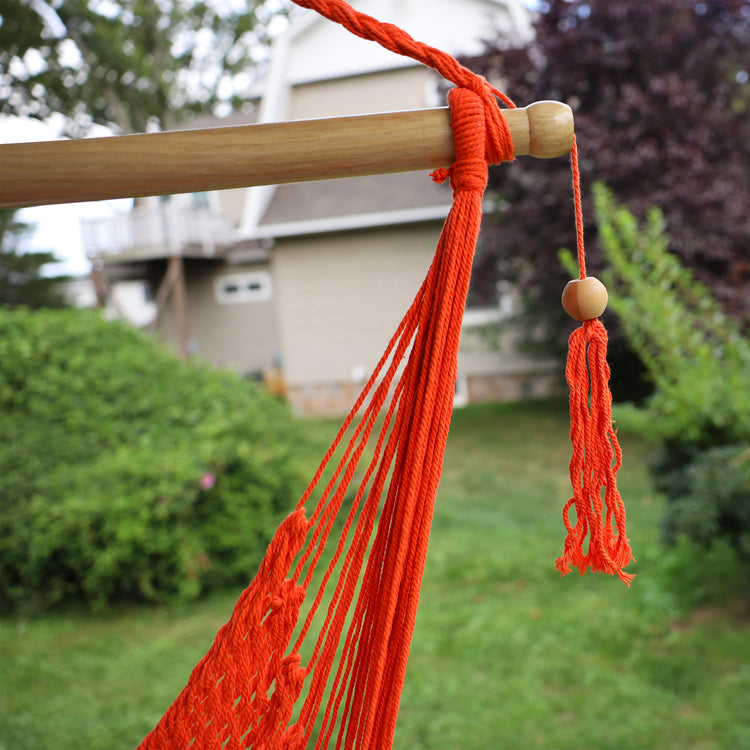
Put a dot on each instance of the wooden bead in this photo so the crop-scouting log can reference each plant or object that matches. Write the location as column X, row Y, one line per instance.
column 584, row 299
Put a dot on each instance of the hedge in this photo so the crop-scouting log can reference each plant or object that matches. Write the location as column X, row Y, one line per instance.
column 128, row 475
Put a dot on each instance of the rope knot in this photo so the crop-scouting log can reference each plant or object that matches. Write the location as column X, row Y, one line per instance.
column 480, row 135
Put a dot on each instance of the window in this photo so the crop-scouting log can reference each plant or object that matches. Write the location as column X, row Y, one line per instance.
column 238, row 288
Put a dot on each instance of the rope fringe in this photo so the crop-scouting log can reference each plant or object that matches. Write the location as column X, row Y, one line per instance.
column 595, row 462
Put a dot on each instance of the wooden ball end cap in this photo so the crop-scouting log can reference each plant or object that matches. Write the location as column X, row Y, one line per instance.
column 551, row 129
column 584, row 299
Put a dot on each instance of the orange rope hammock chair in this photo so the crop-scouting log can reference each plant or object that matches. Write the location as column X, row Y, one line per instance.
column 253, row 689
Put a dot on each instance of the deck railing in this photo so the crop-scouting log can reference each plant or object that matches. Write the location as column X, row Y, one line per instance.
column 164, row 228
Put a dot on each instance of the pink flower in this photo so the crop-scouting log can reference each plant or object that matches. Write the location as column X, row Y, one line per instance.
column 207, row 480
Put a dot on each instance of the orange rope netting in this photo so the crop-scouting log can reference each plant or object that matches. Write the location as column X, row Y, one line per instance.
column 253, row 689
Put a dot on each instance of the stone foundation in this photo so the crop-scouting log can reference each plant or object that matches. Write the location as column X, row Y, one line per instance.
column 336, row 399
column 323, row 400
column 513, row 387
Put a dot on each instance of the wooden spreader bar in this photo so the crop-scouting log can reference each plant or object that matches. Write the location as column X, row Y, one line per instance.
column 188, row 161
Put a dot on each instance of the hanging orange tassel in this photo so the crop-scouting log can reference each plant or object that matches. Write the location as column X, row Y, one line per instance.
column 596, row 459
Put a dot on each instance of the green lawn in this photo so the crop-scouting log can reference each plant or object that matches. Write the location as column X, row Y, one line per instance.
column 506, row 653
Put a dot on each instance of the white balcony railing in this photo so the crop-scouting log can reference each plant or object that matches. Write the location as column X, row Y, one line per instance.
column 163, row 228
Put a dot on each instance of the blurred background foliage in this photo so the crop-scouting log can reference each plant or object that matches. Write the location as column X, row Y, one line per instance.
column 24, row 277
column 128, row 474
column 661, row 96
column 130, row 65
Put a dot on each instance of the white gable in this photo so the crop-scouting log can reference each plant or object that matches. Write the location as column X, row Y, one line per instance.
column 316, row 49
column 320, row 49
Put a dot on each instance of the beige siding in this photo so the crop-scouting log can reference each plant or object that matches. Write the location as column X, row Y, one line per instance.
column 381, row 92
column 241, row 336
column 340, row 297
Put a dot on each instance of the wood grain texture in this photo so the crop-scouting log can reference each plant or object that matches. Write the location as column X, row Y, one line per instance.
column 187, row 161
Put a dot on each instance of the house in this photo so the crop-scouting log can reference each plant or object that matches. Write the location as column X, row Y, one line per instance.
column 305, row 283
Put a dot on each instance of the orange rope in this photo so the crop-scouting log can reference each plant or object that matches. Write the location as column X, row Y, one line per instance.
column 244, row 691
column 596, row 455
column 578, row 209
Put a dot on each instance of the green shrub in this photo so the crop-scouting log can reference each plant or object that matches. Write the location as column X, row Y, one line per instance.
column 699, row 362
column 127, row 474
column 696, row 356
column 709, row 493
